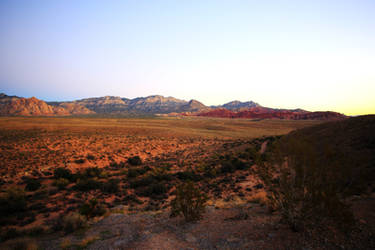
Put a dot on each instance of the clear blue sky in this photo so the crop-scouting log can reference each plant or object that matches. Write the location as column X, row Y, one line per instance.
column 316, row 55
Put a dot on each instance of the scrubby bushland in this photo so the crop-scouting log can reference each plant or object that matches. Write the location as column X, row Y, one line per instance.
column 90, row 157
column 61, row 183
column 150, row 186
column 307, row 179
column 154, row 190
column 87, row 184
column 32, row 184
column 91, row 172
column 135, row 160
column 188, row 175
column 63, row 173
column 69, row 223
column 134, row 172
column 92, row 208
column 111, row 186
column 80, row 161
column 13, row 201
column 230, row 164
column 189, row 202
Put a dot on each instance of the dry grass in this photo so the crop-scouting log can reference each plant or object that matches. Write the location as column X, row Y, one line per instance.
column 185, row 126
column 260, row 198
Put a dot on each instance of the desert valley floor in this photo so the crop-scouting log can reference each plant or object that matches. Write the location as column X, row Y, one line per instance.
column 130, row 167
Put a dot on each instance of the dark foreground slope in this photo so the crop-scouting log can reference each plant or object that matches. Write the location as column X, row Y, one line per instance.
column 348, row 144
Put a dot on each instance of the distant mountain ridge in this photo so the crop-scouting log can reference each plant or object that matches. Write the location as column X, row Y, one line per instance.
column 151, row 105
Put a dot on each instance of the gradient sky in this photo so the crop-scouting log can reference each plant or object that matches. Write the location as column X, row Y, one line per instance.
column 315, row 55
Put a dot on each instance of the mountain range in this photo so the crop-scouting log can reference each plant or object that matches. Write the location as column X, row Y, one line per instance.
column 151, row 105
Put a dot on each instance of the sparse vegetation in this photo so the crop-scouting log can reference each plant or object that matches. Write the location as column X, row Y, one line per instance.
column 92, row 208
column 111, row 186
column 63, row 173
column 12, row 202
column 306, row 184
column 32, row 184
column 220, row 165
column 61, row 183
column 135, row 160
column 72, row 222
column 189, row 202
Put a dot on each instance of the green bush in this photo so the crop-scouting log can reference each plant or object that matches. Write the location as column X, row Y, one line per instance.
column 91, row 172
column 153, row 190
column 63, row 173
column 61, row 183
column 145, row 181
column 231, row 164
column 189, row 202
column 111, row 186
column 188, row 175
column 87, row 184
column 92, row 208
column 72, row 222
column 12, row 202
column 135, row 160
column 32, row 184
column 135, row 172
column 90, row 157
column 80, row 161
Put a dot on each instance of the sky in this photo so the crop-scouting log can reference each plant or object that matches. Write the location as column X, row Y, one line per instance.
column 315, row 55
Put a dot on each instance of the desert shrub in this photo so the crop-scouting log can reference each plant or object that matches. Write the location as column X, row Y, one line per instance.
column 34, row 231
column 114, row 164
column 231, row 164
column 32, row 184
column 80, row 161
column 189, row 202
column 90, row 157
column 145, row 181
column 111, row 186
column 9, row 233
column 92, row 208
column 87, row 184
column 135, row 160
column 91, row 172
column 135, row 172
column 210, row 172
column 63, row 173
column 22, row 243
column 13, row 201
column 188, row 175
column 72, row 222
column 306, row 191
column 61, row 183
column 153, row 190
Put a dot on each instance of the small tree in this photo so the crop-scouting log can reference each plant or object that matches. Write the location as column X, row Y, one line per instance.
column 189, row 202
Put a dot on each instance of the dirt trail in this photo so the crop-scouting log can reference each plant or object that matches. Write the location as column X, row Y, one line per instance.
column 247, row 227
column 263, row 147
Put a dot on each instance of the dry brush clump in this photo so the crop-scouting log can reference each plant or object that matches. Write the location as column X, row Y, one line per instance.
column 305, row 185
column 189, row 202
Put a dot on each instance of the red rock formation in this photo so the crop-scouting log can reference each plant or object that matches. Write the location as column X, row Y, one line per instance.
column 268, row 113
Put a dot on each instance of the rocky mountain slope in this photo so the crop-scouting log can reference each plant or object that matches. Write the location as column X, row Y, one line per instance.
column 237, row 105
column 151, row 105
column 13, row 105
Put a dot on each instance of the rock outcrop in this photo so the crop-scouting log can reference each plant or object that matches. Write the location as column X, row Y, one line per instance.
column 18, row 106
column 268, row 113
